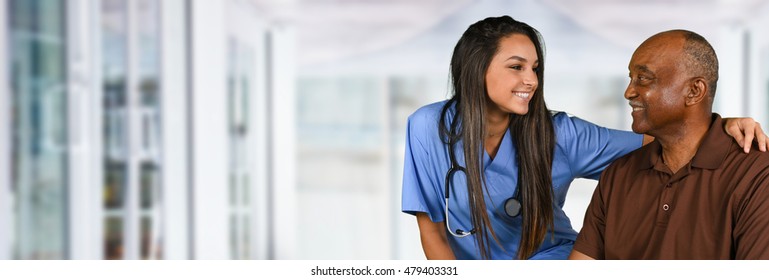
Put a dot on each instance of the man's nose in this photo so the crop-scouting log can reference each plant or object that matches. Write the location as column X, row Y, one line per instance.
column 630, row 92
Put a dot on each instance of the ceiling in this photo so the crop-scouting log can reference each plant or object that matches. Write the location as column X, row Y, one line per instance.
column 329, row 30
column 625, row 22
column 333, row 29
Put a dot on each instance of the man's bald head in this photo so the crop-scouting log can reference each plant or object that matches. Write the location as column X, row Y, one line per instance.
column 699, row 58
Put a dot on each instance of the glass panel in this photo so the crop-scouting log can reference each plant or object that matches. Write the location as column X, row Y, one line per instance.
column 149, row 74
column 246, row 191
column 146, row 237
column 115, row 177
column 113, row 237
column 115, row 125
column 117, row 94
column 37, row 47
column 149, row 183
column 148, row 28
column 245, row 245
column 239, row 84
column 233, row 189
column 234, row 236
column 340, row 133
column 340, row 113
column 149, row 53
column 245, row 75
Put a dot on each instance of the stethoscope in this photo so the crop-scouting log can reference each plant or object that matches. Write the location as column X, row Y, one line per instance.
column 512, row 204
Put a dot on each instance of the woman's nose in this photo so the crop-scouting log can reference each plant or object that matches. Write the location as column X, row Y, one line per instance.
column 530, row 78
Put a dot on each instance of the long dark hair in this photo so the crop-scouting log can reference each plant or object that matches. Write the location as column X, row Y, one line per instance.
column 532, row 133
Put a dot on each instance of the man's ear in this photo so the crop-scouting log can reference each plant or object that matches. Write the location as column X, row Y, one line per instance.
column 698, row 91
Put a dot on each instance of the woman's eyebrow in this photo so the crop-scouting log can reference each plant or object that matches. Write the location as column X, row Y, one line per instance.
column 515, row 57
column 520, row 58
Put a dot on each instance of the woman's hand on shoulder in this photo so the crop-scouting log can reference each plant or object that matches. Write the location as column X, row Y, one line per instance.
column 744, row 130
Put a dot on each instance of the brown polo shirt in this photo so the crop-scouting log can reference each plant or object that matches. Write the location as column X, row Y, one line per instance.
column 715, row 207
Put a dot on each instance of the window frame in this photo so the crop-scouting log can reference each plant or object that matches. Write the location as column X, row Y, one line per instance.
column 5, row 132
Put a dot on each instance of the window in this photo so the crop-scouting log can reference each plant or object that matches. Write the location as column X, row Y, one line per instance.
column 239, row 89
column 342, row 165
column 39, row 127
column 132, row 163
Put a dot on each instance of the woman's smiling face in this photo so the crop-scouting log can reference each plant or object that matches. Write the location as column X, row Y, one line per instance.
column 511, row 78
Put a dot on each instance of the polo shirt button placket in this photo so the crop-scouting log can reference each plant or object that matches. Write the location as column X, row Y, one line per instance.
column 665, row 206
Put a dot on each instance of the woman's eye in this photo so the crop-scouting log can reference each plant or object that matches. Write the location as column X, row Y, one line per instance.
column 516, row 67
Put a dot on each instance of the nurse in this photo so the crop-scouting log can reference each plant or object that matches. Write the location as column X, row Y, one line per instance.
column 507, row 203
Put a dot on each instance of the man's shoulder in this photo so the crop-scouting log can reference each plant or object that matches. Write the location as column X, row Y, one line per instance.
column 729, row 154
column 754, row 160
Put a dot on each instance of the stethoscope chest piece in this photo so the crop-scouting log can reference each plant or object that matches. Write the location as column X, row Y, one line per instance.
column 512, row 207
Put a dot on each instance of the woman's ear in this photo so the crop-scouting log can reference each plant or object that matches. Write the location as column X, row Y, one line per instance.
column 698, row 91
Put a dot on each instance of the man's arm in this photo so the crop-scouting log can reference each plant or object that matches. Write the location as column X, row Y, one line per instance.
column 434, row 240
column 750, row 230
column 590, row 240
column 577, row 255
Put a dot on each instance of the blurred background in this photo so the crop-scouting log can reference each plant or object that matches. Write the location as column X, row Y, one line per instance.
column 258, row 129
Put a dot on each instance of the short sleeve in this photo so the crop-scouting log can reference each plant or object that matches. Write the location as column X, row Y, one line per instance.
column 591, row 148
column 590, row 240
column 752, row 223
column 420, row 191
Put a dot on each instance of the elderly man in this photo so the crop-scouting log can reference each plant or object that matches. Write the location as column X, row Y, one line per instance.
column 690, row 194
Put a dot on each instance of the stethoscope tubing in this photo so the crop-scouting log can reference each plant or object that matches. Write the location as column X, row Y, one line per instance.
column 512, row 205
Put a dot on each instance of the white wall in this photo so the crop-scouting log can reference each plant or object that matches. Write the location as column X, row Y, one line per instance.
column 283, row 141
column 209, row 132
column 175, row 226
column 743, row 49
column 759, row 69
column 730, row 48
column 84, row 131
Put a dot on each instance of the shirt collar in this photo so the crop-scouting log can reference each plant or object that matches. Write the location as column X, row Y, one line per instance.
column 710, row 154
column 715, row 147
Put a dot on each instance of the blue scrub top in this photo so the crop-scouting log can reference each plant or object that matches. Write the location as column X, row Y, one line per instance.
column 582, row 150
